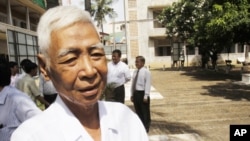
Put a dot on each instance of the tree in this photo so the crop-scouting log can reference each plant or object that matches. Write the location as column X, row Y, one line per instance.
column 100, row 9
column 88, row 5
column 180, row 18
column 212, row 25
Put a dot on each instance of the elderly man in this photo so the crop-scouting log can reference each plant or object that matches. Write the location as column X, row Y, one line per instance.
column 72, row 56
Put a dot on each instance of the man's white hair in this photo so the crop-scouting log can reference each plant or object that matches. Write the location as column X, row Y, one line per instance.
column 58, row 18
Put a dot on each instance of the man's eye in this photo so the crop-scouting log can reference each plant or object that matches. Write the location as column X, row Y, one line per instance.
column 70, row 60
column 97, row 55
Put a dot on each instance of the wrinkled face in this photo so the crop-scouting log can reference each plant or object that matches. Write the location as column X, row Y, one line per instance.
column 77, row 64
column 115, row 58
column 138, row 63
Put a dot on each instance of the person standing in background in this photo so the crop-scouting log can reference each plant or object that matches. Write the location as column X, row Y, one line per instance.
column 15, row 106
column 118, row 75
column 28, row 85
column 14, row 73
column 22, row 64
column 140, row 91
column 47, row 89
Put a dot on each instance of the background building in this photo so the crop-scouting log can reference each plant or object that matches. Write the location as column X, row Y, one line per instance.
column 18, row 23
column 146, row 36
column 139, row 34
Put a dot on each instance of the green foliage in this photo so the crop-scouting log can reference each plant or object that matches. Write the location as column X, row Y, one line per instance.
column 102, row 8
column 211, row 25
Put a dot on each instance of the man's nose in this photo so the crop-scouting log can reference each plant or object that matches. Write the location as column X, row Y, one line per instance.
column 87, row 69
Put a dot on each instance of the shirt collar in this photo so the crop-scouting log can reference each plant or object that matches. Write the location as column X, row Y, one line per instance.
column 116, row 63
column 79, row 132
column 65, row 116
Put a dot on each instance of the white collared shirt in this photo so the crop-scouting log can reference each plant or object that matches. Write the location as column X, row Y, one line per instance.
column 15, row 107
column 57, row 123
column 14, row 80
column 46, row 87
column 118, row 73
column 143, row 82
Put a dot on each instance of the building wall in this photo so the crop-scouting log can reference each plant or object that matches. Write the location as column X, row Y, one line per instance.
column 142, row 35
column 3, row 47
column 140, row 24
column 24, row 16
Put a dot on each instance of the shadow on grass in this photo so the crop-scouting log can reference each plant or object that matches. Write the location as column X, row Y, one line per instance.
column 210, row 75
column 164, row 127
column 174, row 128
column 229, row 90
column 206, row 74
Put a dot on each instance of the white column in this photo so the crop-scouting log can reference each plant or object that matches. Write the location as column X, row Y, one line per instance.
column 196, row 51
column 27, row 18
column 236, row 48
column 9, row 15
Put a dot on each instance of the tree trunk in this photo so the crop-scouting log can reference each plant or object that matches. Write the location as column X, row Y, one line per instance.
column 88, row 5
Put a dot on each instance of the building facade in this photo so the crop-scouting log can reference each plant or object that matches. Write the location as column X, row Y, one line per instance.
column 147, row 37
column 18, row 22
column 139, row 34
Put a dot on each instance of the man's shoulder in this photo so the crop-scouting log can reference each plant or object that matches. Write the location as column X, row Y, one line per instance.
column 33, row 126
column 15, row 93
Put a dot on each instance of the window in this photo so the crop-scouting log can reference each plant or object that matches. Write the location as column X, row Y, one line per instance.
column 157, row 24
column 22, row 46
column 162, row 47
column 240, row 48
column 190, row 50
column 231, row 49
column 163, row 51
column 3, row 18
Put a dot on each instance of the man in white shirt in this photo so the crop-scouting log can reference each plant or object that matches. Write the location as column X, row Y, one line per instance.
column 48, row 90
column 72, row 57
column 118, row 75
column 140, row 91
column 14, row 73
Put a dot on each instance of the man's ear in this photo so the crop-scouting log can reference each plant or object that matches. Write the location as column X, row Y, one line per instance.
column 43, row 66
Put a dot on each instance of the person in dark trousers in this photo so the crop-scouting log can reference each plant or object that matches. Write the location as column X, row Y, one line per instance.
column 118, row 75
column 140, row 91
